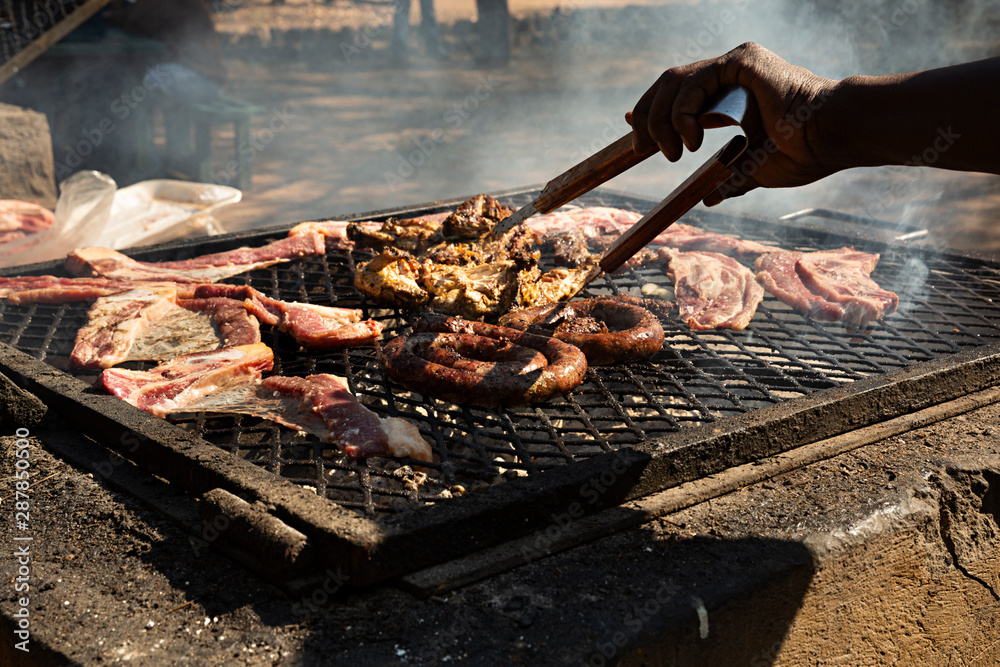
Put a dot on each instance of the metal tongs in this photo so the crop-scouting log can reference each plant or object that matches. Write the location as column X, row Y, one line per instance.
column 730, row 107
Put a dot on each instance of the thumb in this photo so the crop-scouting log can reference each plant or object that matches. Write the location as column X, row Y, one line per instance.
column 737, row 186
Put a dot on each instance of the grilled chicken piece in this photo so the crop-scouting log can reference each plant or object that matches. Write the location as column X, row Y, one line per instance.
column 570, row 248
column 474, row 218
column 472, row 291
column 393, row 277
column 414, row 235
column 553, row 286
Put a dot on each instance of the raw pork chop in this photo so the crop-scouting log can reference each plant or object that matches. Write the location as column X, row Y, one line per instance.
column 777, row 272
column 713, row 291
column 844, row 276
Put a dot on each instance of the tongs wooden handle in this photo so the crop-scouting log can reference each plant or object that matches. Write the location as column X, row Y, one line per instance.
column 695, row 188
column 698, row 185
column 612, row 160
column 580, row 179
column 728, row 108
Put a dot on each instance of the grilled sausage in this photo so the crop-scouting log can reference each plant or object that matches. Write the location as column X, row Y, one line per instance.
column 482, row 364
column 609, row 330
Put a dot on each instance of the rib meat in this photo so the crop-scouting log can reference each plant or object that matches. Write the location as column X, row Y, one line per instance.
column 312, row 326
column 50, row 289
column 777, row 272
column 114, row 323
column 235, row 324
column 173, row 384
column 713, row 291
column 24, row 216
column 844, row 276
column 346, row 422
column 206, row 268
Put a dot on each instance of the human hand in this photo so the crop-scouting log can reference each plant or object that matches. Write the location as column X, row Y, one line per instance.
column 786, row 146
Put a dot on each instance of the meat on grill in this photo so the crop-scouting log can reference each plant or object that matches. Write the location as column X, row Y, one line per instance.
column 114, row 323
column 687, row 238
column 488, row 286
column 207, row 268
column 173, row 384
column 312, row 326
column 344, row 421
column 415, row 235
column 568, row 248
column 236, row 326
column 593, row 222
column 24, row 216
column 777, row 272
column 608, row 330
column 713, row 291
column 490, row 366
column 345, row 235
column 844, row 276
column 50, row 289
column 475, row 218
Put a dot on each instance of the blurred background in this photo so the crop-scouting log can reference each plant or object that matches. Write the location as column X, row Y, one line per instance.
column 319, row 109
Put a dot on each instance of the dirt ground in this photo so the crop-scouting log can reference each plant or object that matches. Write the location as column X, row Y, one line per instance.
column 349, row 128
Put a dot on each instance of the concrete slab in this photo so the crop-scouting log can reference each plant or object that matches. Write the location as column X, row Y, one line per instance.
column 27, row 170
column 885, row 554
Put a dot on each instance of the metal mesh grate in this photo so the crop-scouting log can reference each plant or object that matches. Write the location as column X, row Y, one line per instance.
column 24, row 21
column 947, row 303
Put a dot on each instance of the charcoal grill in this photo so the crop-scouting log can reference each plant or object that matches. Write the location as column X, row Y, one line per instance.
column 707, row 401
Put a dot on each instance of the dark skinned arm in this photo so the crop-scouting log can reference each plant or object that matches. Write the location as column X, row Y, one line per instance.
column 808, row 127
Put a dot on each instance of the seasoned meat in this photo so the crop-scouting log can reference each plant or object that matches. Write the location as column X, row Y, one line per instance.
column 414, row 235
column 570, row 248
column 475, row 217
column 844, row 276
column 393, row 277
column 713, row 291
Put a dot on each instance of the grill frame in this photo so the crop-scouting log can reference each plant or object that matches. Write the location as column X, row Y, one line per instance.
column 375, row 549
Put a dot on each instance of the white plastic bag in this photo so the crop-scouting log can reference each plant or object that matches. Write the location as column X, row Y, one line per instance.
column 161, row 210
column 83, row 209
column 92, row 211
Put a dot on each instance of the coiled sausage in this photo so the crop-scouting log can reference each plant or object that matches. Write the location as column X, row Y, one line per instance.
column 609, row 330
column 482, row 364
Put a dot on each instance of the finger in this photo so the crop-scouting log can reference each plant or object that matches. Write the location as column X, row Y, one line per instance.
column 690, row 102
column 641, row 141
column 736, row 186
column 661, row 130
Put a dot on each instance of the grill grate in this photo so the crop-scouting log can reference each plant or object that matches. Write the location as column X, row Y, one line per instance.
column 947, row 304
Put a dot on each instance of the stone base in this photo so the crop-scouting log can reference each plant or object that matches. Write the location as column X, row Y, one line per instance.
column 27, row 170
